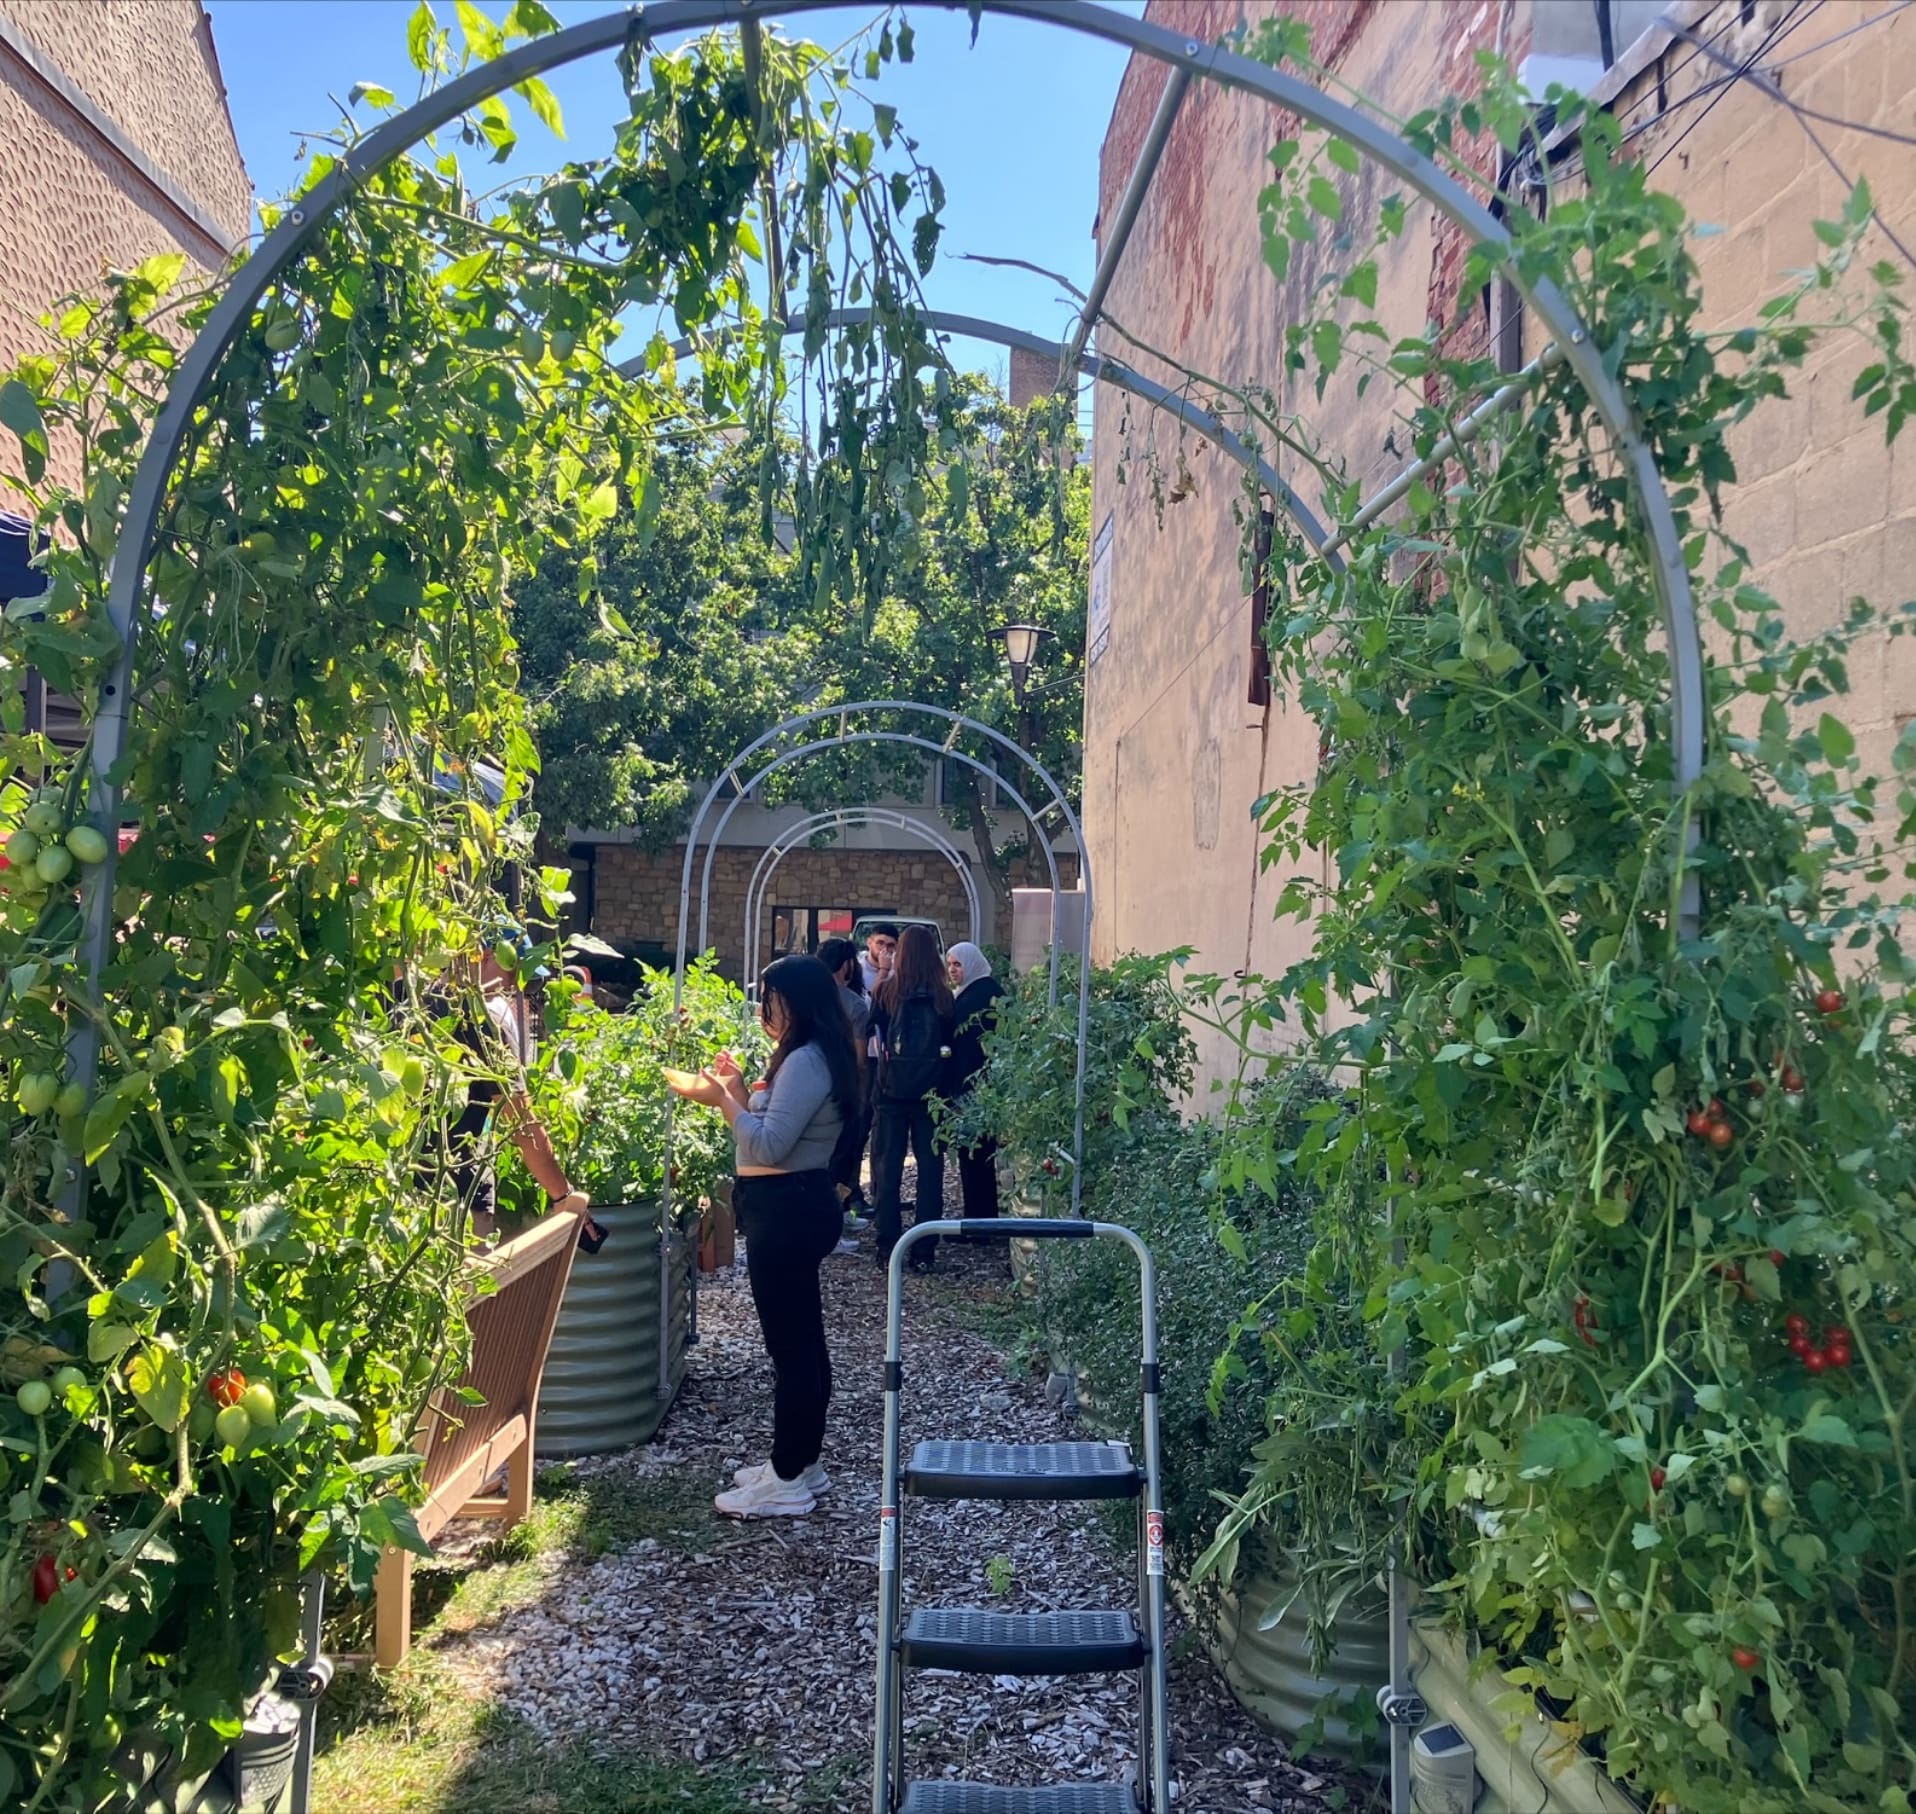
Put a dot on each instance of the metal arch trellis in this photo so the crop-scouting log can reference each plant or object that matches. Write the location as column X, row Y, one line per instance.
column 842, row 739
column 846, row 818
column 627, row 30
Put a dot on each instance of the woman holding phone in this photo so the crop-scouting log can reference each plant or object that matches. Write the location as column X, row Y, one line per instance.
column 786, row 1131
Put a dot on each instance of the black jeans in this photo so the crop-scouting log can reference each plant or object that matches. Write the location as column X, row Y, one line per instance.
column 896, row 1126
column 978, row 1178
column 791, row 1221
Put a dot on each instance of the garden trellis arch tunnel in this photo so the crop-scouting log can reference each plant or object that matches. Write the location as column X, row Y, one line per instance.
column 847, row 818
column 845, row 738
column 629, row 29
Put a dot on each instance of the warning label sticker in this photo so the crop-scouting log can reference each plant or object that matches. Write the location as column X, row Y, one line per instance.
column 1154, row 1543
column 887, row 1539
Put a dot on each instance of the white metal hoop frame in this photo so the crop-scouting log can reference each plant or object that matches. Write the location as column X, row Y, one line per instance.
column 846, row 818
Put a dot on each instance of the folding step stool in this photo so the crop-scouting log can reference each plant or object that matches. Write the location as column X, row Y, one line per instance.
column 1030, row 1644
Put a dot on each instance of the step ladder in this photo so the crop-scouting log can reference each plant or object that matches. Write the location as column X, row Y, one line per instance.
column 1027, row 1644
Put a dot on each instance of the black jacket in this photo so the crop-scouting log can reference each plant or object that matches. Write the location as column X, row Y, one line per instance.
column 975, row 1014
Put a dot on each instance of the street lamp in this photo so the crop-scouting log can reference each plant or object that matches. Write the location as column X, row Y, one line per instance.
column 1021, row 650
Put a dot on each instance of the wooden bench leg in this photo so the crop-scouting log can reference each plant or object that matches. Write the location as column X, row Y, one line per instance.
column 519, row 1471
column 392, row 1608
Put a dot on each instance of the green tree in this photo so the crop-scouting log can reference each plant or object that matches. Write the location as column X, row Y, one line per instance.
column 688, row 629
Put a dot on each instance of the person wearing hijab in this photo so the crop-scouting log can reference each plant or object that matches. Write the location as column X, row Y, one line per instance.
column 974, row 1013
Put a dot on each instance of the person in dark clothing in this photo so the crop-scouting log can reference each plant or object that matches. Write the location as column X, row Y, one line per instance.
column 501, row 1043
column 840, row 957
column 786, row 1131
column 912, row 1028
column 974, row 1014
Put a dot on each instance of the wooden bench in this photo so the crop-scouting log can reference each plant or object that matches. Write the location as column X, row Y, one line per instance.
column 466, row 1444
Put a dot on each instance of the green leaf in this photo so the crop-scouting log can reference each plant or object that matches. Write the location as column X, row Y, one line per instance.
column 1324, row 198
column 1572, row 1447
column 20, row 410
column 1827, row 1427
column 108, row 1341
column 544, row 104
column 158, row 1381
column 374, row 93
column 420, row 31
column 1343, row 154
column 1834, row 735
column 1644, row 1536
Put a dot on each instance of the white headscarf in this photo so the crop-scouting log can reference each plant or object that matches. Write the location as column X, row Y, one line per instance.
column 973, row 965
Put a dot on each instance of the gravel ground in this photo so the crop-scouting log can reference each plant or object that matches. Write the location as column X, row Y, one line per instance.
column 754, row 1643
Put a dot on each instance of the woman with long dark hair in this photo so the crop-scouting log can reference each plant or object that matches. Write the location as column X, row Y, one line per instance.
column 786, row 1131
column 911, row 1026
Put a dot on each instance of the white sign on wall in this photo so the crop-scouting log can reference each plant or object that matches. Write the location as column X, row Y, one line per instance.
column 1098, row 625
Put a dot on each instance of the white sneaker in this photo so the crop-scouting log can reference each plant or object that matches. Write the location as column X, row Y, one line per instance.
column 814, row 1480
column 767, row 1497
column 848, row 1245
column 856, row 1225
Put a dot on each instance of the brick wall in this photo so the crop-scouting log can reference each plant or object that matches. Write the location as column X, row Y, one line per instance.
column 1173, row 755
column 71, row 205
column 636, row 892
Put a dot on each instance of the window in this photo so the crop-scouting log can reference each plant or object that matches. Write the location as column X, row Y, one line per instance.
column 806, row 928
column 1575, row 44
column 949, row 783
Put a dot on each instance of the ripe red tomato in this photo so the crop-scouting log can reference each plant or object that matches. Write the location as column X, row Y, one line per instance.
column 1797, row 1323
column 1657, row 1478
column 46, row 1579
column 1816, row 1360
column 1836, row 1332
column 1722, row 1136
column 1777, row 1256
column 1829, row 1001
column 1744, row 1658
column 225, row 1387
column 1717, row 1110
column 1758, row 1087
column 1792, row 1081
column 1699, row 1123
column 1838, row 1354
column 1800, row 1346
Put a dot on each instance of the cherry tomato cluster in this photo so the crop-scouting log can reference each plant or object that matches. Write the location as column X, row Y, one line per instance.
column 1834, row 1352
column 1712, row 1123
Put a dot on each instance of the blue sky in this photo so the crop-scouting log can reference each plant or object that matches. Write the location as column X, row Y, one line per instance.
column 1013, row 126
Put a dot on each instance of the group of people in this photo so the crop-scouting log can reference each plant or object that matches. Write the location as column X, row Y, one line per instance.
column 861, row 1044
column 920, row 1024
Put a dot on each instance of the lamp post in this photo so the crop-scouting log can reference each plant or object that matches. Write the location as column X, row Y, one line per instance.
column 1021, row 650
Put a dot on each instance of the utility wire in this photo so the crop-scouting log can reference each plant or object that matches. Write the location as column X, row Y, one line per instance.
column 1783, row 26
column 1803, row 115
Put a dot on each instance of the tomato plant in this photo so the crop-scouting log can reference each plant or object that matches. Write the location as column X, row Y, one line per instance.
column 326, row 773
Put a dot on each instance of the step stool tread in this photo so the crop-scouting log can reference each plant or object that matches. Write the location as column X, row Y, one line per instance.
column 1022, row 1643
column 991, row 1798
column 1022, row 1470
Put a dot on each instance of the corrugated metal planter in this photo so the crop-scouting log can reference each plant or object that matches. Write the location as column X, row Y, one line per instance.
column 1270, row 1671
column 610, row 1378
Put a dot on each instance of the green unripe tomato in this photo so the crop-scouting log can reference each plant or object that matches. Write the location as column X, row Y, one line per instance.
column 1776, row 1502
column 412, row 1076
column 199, row 1420
column 259, row 1404
column 506, row 957
column 70, row 1101
column 54, row 864
column 87, row 844
column 22, row 848
column 282, row 335
column 233, row 1426
column 37, row 1092
column 67, row 1378
column 43, row 819
column 34, row 1398
column 1737, row 1486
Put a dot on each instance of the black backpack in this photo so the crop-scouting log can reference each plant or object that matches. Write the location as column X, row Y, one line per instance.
column 912, row 1058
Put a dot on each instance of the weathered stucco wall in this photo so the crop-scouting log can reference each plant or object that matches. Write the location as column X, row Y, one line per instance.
column 1175, row 752
column 72, row 205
